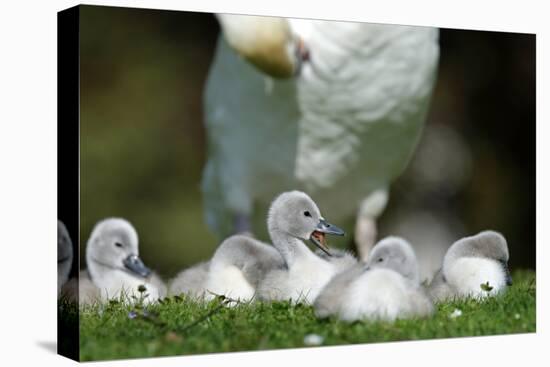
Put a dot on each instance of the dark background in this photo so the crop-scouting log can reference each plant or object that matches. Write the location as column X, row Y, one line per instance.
column 143, row 140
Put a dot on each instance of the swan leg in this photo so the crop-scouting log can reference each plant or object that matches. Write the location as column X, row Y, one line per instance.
column 365, row 226
column 365, row 236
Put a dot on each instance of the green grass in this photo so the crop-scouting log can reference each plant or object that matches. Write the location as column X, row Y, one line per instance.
column 180, row 326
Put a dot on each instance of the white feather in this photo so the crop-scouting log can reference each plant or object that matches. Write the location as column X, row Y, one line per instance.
column 118, row 284
column 467, row 274
column 300, row 283
column 346, row 126
column 229, row 281
column 377, row 295
column 386, row 288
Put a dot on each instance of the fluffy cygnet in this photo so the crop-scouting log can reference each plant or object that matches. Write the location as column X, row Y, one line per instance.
column 386, row 288
column 244, row 268
column 191, row 281
column 114, row 267
column 475, row 266
column 238, row 265
column 293, row 218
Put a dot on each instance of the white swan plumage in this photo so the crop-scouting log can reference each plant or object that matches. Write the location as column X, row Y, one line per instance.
column 341, row 127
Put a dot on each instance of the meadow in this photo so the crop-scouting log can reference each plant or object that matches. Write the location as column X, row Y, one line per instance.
column 180, row 326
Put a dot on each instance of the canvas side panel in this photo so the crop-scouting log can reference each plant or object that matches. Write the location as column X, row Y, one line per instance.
column 68, row 137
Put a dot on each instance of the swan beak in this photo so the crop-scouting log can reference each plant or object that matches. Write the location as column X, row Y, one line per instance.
column 507, row 275
column 136, row 266
column 327, row 228
column 318, row 235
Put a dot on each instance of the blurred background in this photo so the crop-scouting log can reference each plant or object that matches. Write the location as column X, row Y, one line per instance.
column 143, row 139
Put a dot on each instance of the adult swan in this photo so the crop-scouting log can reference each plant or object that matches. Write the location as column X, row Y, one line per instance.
column 331, row 108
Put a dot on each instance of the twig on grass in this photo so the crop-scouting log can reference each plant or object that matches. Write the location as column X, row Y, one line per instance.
column 224, row 301
column 153, row 319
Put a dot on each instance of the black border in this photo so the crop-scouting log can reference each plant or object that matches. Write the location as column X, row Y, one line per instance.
column 68, row 157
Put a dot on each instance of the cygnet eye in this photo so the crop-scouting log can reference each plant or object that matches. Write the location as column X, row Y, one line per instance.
column 307, row 213
column 118, row 244
column 380, row 259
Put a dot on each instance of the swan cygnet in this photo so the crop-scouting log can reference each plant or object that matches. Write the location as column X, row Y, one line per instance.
column 293, row 218
column 191, row 281
column 386, row 288
column 244, row 268
column 475, row 266
column 114, row 267
column 64, row 256
column 238, row 265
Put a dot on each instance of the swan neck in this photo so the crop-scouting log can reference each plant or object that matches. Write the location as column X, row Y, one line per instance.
column 292, row 249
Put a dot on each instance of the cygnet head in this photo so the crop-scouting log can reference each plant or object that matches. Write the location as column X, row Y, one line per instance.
column 293, row 213
column 486, row 244
column 397, row 254
column 114, row 244
column 64, row 244
column 266, row 42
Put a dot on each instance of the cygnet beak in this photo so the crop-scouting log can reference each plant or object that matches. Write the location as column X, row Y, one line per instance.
column 318, row 235
column 507, row 274
column 136, row 266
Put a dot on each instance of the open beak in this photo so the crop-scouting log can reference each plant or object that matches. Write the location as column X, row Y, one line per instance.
column 136, row 266
column 318, row 235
